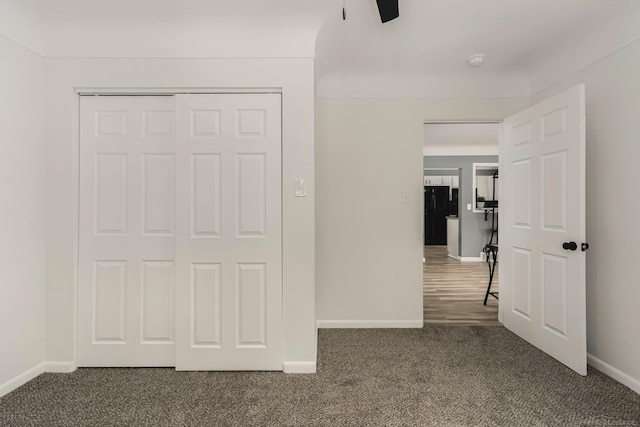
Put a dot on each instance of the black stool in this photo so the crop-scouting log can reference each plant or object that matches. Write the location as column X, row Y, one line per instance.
column 491, row 252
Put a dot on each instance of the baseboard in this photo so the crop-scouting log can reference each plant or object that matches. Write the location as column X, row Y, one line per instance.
column 614, row 373
column 470, row 258
column 299, row 367
column 60, row 367
column 454, row 257
column 21, row 379
column 343, row 324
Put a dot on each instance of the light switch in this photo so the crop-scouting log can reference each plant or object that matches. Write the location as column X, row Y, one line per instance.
column 299, row 188
column 468, row 206
column 405, row 197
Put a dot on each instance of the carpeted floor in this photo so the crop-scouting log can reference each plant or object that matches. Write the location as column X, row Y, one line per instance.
column 439, row 375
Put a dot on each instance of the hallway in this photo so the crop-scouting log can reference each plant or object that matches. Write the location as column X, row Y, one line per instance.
column 453, row 291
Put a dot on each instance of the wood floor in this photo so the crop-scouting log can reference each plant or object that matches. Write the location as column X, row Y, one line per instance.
column 454, row 290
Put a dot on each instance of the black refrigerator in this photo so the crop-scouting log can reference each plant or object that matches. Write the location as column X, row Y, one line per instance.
column 436, row 209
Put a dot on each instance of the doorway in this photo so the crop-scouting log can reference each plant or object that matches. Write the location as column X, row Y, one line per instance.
column 455, row 270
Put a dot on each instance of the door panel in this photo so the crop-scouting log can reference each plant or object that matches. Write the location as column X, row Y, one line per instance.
column 127, row 243
column 554, row 191
column 157, row 301
column 521, row 266
column 251, row 305
column 206, row 315
column 158, row 194
column 110, row 287
column 229, row 250
column 111, row 185
column 205, row 215
column 542, row 161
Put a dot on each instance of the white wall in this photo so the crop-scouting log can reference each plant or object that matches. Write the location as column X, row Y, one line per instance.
column 369, row 243
column 294, row 76
column 614, row 28
column 393, row 85
column 21, row 22
column 183, row 29
column 174, row 39
column 613, row 229
column 21, row 215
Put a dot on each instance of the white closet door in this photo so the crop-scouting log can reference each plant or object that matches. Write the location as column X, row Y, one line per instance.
column 229, row 249
column 127, row 228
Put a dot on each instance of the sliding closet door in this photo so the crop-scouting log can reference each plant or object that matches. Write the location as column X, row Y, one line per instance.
column 229, row 237
column 126, row 231
column 180, row 232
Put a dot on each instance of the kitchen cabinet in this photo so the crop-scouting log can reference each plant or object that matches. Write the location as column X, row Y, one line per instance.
column 445, row 181
column 433, row 180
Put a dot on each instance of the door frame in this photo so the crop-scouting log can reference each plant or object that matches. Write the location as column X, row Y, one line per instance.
column 460, row 203
column 66, row 76
column 164, row 91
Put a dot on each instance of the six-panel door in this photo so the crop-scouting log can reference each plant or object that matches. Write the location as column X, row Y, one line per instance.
column 229, row 245
column 180, row 232
column 542, row 285
column 127, row 231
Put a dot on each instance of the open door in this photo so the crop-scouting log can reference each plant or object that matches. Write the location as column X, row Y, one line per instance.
column 542, row 276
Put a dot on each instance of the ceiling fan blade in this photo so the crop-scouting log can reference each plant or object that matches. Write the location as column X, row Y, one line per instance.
column 388, row 10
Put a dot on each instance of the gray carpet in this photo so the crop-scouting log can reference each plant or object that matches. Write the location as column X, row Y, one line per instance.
column 438, row 375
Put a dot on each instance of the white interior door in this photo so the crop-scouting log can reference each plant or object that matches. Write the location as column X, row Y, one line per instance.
column 229, row 249
column 542, row 169
column 126, row 231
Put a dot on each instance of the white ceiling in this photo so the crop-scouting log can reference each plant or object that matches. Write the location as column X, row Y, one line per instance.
column 421, row 51
column 431, row 40
column 438, row 36
column 181, row 28
column 452, row 139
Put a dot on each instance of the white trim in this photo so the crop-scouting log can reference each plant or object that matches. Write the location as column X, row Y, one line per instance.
column 344, row 324
column 60, row 367
column 614, row 373
column 89, row 91
column 168, row 91
column 462, row 122
column 471, row 259
column 299, row 367
column 456, row 257
column 21, row 379
column 504, row 284
column 75, row 215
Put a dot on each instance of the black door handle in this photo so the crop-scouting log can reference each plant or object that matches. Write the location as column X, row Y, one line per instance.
column 570, row 246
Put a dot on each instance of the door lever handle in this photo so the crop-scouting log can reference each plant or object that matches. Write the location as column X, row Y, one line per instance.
column 570, row 246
